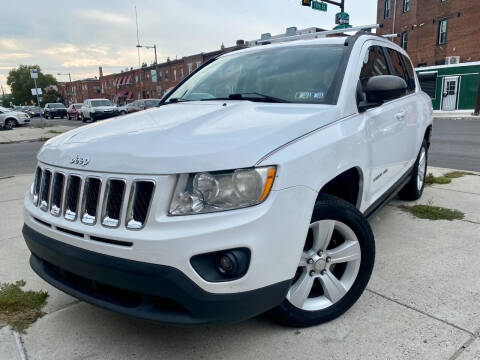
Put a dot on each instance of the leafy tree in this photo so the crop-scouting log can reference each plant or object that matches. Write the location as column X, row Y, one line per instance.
column 21, row 83
column 6, row 100
column 50, row 96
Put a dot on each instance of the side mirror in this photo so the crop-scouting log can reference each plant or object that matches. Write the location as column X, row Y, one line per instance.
column 382, row 88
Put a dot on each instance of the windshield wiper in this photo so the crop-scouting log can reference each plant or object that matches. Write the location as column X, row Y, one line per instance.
column 251, row 96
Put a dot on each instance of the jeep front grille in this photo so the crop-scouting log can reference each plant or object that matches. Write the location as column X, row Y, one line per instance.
column 91, row 195
column 112, row 202
column 57, row 194
column 92, row 199
column 36, row 185
column 45, row 190
column 139, row 203
column 71, row 197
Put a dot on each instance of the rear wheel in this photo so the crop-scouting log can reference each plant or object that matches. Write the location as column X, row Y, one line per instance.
column 334, row 268
column 413, row 190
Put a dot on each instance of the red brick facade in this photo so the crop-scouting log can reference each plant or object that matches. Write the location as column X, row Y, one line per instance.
column 79, row 90
column 422, row 21
column 154, row 80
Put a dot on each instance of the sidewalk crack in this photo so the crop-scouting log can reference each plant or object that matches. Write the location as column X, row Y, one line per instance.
column 422, row 312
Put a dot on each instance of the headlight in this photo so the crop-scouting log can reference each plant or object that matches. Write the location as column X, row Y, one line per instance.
column 221, row 190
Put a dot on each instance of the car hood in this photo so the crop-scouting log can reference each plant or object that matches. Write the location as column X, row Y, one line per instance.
column 188, row 137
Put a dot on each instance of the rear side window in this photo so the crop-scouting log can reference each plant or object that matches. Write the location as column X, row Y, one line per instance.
column 411, row 73
column 399, row 68
column 374, row 64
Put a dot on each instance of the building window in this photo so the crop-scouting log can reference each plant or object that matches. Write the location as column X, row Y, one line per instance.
column 442, row 31
column 405, row 40
column 406, row 5
column 174, row 74
column 166, row 75
column 386, row 9
column 181, row 73
column 159, row 76
column 199, row 63
column 190, row 68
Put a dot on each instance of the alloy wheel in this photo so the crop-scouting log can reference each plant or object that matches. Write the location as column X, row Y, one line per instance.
column 10, row 124
column 422, row 168
column 328, row 267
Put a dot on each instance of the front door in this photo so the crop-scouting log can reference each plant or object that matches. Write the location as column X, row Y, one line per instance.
column 450, row 92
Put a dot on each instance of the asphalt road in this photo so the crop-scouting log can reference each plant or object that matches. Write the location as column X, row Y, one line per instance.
column 56, row 121
column 455, row 145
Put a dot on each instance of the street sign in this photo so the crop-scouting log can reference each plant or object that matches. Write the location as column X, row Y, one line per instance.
column 316, row 5
column 33, row 73
column 342, row 18
column 36, row 91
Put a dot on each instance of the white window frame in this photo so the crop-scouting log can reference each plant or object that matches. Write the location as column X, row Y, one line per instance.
column 442, row 35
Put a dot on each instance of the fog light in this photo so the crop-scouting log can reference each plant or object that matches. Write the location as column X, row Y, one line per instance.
column 226, row 263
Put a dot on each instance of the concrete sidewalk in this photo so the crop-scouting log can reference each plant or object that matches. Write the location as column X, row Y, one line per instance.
column 422, row 301
column 28, row 133
column 455, row 115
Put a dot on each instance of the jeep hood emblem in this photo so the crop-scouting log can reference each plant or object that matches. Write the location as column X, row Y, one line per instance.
column 82, row 161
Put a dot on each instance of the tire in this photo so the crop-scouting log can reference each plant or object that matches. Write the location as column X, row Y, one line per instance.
column 83, row 119
column 123, row 112
column 10, row 124
column 347, row 229
column 69, row 117
column 413, row 190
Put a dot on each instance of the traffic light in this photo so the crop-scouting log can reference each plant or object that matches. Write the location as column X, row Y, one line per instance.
column 307, row 3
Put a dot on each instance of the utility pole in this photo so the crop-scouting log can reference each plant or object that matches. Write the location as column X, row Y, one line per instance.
column 138, row 40
column 71, row 88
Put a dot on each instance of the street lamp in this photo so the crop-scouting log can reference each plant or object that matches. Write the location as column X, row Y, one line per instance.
column 70, row 80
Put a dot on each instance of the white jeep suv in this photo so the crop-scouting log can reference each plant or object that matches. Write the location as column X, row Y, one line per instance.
column 96, row 109
column 247, row 190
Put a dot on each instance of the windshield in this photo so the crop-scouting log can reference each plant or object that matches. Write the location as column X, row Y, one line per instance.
column 77, row 106
column 151, row 103
column 301, row 74
column 57, row 105
column 96, row 103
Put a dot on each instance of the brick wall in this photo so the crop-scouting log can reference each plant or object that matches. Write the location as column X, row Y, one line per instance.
column 79, row 90
column 422, row 22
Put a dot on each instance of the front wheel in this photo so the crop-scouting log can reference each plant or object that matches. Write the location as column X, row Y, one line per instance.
column 10, row 124
column 413, row 190
column 334, row 268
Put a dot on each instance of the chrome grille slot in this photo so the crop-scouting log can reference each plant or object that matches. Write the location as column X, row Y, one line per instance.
column 45, row 190
column 112, row 202
column 90, row 199
column 36, row 185
column 139, row 204
column 57, row 194
column 71, row 197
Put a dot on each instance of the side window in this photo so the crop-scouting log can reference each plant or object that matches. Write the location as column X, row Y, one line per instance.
column 397, row 65
column 410, row 72
column 374, row 64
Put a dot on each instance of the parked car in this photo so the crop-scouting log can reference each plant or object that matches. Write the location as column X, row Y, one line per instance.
column 74, row 111
column 248, row 189
column 139, row 105
column 10, row 118
column 34, row 111
column 96, row 109
column 53, row 110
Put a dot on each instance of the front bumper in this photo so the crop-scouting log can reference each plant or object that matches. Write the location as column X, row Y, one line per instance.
column 97, row 115
column 144, row 290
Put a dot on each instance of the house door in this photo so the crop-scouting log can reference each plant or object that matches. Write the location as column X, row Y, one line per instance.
column 450, row 92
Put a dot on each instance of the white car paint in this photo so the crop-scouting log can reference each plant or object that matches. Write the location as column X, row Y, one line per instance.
column 309, row 144
column 20, row 117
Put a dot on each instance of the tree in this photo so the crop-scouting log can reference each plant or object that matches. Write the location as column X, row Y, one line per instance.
column 50, row 96
column 6, row 100
column 21, row 83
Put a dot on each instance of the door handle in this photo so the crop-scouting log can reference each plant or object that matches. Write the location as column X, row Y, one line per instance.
column 400, row 115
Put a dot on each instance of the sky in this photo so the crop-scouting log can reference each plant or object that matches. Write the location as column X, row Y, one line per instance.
column 78, row 36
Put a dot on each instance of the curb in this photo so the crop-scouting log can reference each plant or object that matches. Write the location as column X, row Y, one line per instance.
column 24, row 141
